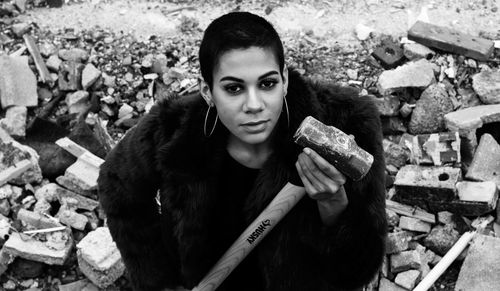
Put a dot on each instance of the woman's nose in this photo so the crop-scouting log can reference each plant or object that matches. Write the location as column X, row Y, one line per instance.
column 253, row 102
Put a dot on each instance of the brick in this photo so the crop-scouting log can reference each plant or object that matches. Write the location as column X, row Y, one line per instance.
column 413, row 224
column 17, row 82
column 429, row 187
column 429, row 111
column 486, row 163
column 408, row 279
column 441, row 239
column 476, row 198
column 404, row 261
column 481, row 270
column 419, row 74
column 487, row 85
column 70, row 76
column 451, row 41
column 99, row 258
column 387, row 105
column 387, row 285
column 434, row 149
column 38, row 251
column 416, row 51
column 389, row 54
column 397, row 242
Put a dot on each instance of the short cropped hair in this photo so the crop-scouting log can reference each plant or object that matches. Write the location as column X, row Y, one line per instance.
column 237, row 30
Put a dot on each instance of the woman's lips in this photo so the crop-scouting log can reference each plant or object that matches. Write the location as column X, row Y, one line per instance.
column 255, row 126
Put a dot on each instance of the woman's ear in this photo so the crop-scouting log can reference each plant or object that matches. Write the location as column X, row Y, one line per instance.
column 285, row 79
column 205, row 92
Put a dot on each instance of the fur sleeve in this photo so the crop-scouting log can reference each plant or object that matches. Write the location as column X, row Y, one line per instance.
column 352, row 250
column 128, row 183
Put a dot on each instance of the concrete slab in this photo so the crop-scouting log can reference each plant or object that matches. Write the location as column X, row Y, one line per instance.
column 481, row 269
column 419, row 74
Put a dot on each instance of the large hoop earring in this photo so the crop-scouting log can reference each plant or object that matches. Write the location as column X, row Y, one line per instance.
column 205, row 124
column 287, row 112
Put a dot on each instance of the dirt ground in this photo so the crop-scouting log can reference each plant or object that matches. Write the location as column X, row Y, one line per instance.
column 333, row 20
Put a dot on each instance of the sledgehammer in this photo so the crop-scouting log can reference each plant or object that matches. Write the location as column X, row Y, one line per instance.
column 332, row 144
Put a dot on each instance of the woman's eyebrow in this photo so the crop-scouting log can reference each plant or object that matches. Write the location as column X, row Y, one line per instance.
column 234, row 79
column 268, row 74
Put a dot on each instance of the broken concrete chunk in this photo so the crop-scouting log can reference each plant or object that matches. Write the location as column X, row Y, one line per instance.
column 428, row 114
column 397, row 242
column 78, row 102
column 53, row 63
column 89, row 75
column 17, row 82
column 81, row 285
column 434, row 149
column 451, row 40
column 73, row 219
column 70, row 76
column 52, row 192
column 32, row 249
column 416, row 51
column 75, row 55
column 12, row 152
column 15, row 121
column 395, row 154
column 99, row 258
column 487, row 86
column 418, row 74
column 408, row 279
column 441, row 239
column 428, row 187
column 472, row 118
column 404, row 261
column 486, row 163
column 70, row 184
column 413, row 224
column 480, row 270
column 36, row 220
column 82, row 175
column 486, row 192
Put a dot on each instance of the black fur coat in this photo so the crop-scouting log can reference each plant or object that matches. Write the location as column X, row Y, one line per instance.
column 168, row 151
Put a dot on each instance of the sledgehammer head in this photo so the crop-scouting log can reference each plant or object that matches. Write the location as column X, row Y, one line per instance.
column 335, row 146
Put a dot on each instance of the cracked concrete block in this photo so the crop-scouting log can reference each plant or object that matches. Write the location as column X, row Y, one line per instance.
column 486, row 163
column 404, row 261
column 414, row 224
column 397, row 242
column 70, row 184
column 408, row 279
column 418, row 74
column 431, row 188
column 54, row 251
column 481, row 270
column 99, row 258
column 82, row 175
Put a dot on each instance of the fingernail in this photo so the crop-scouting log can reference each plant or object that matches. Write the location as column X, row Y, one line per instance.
column 307, row 151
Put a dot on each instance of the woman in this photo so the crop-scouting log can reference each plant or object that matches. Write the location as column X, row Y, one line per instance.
column 219, row 157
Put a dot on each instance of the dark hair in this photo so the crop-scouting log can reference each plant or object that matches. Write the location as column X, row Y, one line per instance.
column 237, row 30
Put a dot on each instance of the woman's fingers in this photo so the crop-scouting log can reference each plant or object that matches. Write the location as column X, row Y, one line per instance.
column 321, row 181
column 324, row 167
column 307, row 185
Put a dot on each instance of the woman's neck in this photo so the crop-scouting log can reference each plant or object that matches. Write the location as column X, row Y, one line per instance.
column 251, row 156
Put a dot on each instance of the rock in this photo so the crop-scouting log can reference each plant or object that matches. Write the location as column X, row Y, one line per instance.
column 47, row 49
column 363, row 32
column 405, row 261
column 70, row 76
column 395, row 154
column 14, row 152
column 71, row 184
column 53, row 63
column 434, row 149
column 408, row 279
column 9, row 285
column 109, row 81
column 125, row 110
column 480, row 270
column 52, row 192
column 430, row 109
column 487, row 86
column 78, row 102
column 441, row 239
column 27, row 269
column 418, row 74
column 19, row 29
column 99, row 258
column 73, row 219
column 386, row 285
column 387, row 105
column 416, row 51
column 486, row 163
column 413, row 224
column 39, row 251
column 397, row 242
column 14, row 122
column 4, row 207
column 21, row 5
column 89, row 75
column 82, row 176
column 17, row 82
column 75, row 55
column 445, row 217
column 36, row 219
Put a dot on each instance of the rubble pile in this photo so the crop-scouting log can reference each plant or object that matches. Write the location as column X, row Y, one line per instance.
column 67, row 98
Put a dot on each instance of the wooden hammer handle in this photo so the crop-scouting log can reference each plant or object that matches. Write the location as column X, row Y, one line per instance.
column 253, row 234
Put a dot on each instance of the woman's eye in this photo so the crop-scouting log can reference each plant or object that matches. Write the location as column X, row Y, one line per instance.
column 268, row 84
column 233, row 89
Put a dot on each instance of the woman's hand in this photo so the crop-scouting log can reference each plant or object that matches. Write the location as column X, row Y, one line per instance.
column 323, row 183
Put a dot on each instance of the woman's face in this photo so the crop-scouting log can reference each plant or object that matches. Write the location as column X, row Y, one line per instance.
column 248, row 92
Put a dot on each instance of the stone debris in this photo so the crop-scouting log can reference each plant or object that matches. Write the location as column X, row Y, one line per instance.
column 17, row 82
column 52, row 192
column 413, row 224
column 416, row 51
column 82, row 285
column 99, row 258
column 408, row 279
column 90, row 75
column 486, row 163
column 487, row 85
column 441, row 239
column 406, row 260
column 433, row 149
column 78, row 102
column 419, row 74
column 14, row 122
column 477, row 198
